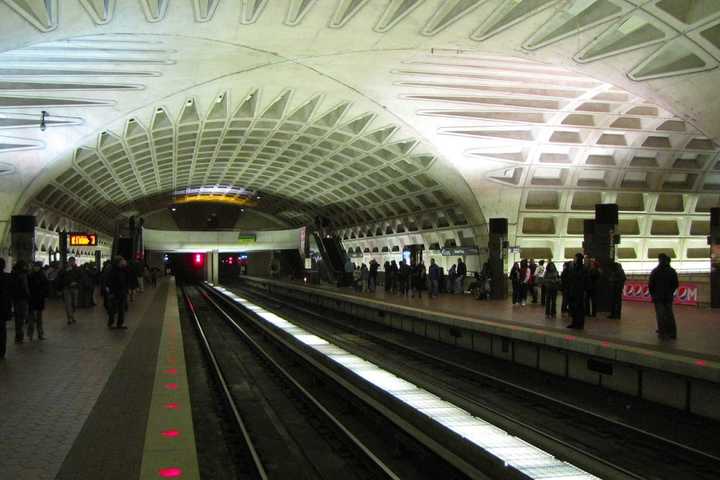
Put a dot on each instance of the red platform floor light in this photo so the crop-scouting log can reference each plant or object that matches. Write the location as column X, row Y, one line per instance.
column 170, row 472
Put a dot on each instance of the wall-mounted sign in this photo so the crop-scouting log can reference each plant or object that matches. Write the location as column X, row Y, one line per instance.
column 82, row 239
column 459, row 251
column 246, row 238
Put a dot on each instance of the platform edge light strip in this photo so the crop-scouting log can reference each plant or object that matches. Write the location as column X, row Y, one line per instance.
column 513, row 451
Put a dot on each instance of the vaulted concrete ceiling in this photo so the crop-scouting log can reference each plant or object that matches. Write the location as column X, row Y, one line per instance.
column 377, row 113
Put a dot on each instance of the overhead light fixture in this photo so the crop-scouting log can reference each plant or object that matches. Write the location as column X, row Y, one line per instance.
column 174, row 209
column 43, row 125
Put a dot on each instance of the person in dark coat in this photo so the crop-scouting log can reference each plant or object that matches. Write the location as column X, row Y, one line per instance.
column 551, row 283
column 435, row 278
column 68, row 281
column 593, row 276
column 565, row 288
column 372, row 278
column 393, row 276
column 39, row 291
column 20, row 298
column 5, row 306
column 616, row 283
column 418, row 279
column 515, row 280
column 577, row 281
column 387, row 280
column 662, row 285
column 117, row 287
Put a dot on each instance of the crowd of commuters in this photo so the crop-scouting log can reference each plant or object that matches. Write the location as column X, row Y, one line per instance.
column 25, row 289
column 576, row 286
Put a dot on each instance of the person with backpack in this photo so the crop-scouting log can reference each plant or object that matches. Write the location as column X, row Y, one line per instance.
column 39, row 291
column 550, row 284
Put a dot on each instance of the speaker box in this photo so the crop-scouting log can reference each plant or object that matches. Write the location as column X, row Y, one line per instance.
column 125, row 248
column 715, row 217
column 22, row 223
column 498, row 226
column 589, row 227
column 606, row 213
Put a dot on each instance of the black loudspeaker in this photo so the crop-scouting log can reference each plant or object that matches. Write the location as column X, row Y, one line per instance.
column 715, row 217
column 498, row 226
column 22, row 224
column 606, row 213
column 588, row 227
column 125, row 247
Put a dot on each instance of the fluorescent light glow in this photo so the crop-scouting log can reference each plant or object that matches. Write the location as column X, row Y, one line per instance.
column 513, row 451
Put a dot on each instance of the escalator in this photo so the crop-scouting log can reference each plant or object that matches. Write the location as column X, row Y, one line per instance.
column 333, row 256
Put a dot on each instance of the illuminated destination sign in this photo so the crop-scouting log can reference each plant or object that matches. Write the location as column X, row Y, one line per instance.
column 246, row 238
column 82, row 239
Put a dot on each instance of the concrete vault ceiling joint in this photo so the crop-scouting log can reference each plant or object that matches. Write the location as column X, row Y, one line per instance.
column 205, row 9
column 297, row 10
column 395, row 12
column 251, row 10
column 449, row 12
column 345, row 10
column 154, row 10
column 42, row 14
column 101, row 11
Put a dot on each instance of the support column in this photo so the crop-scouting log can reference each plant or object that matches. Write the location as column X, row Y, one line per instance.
column 714, row 241
column 599, row 244
column 22, row 238
column 63, row 247
column 497, row 249
column 98, row 259
column 212, row 266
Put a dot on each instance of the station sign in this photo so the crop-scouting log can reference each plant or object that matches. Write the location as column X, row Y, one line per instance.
column 460, row 251
column 82, row 239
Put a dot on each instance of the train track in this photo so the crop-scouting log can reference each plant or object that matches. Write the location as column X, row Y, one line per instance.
column 601, row 445
column 300, row 419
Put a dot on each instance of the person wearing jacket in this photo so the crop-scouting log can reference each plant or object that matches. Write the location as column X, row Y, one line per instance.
column 69, row 280
column 20, row 298
column 5, row 306
column 662, row 285
column 550, row 284
column 525, row 281
column 577, row 282
column 593, row 274
column 565, row 288
column 616, row 281
column 461, row 272
column 435, row 278
column 39, row 290
column 515, row 280
column 117, row 285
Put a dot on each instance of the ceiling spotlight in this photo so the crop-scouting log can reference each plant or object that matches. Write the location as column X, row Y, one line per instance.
column 43, row 125
column 174, row 209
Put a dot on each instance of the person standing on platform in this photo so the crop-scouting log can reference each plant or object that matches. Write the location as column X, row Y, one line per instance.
column 364, row 278
column 372, row 276
column 21, row 298
column 525, row 276
column 576, row 288
column 388, row 280
column 616, row 280
column 550, row 285
column 565, row 288
column 662, row 285
column 591, row 267
column 39, row 290
column 452, row 275
column 435, row 278
column 5, row 306
column 69, row 283
column 531, row 282
column 461, row 272
column 418, row 279
column 515, row 282
column 394, row 270
column 117, row 287
column 539, row 273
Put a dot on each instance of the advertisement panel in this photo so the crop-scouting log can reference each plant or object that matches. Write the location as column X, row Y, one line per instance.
column 686, row 294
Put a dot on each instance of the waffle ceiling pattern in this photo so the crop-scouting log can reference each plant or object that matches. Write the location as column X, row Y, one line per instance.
column 625, row 113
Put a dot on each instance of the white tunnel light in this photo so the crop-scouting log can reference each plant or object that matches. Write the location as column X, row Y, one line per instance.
column 530, row 460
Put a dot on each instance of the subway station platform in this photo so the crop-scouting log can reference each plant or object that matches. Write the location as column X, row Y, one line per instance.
column 86, row 401
column 623, row 355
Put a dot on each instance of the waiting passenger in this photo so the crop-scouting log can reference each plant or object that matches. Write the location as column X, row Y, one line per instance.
column 403, row 278
column 419, row 279
column 117, row 287
column 593, row 274
column 532, row 284
column 577, row 282
column 388, row 280
column 525, row 281
column 539, row 274
column 435, row 278
column 550, row 285
column 69, row 283
column 515, row 283
column 565, row 288
column 20, row 298
column 39, row 290
column 662, row 285
column 372, row 275
column 5, row 306
column 616, row 280
column 394, row 270
column 364, row 278
column 461, row 273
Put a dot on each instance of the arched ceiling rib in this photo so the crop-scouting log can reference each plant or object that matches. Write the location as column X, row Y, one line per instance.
column 618, row 105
